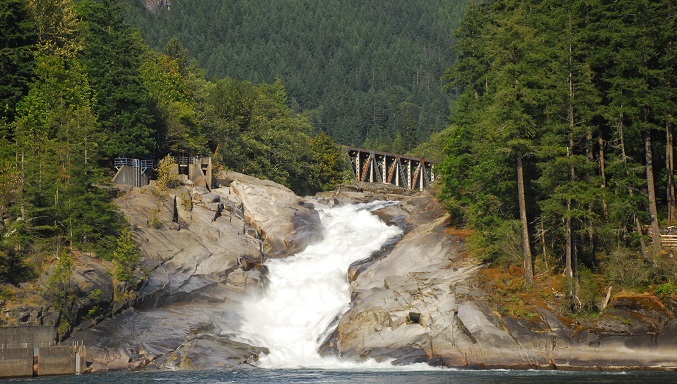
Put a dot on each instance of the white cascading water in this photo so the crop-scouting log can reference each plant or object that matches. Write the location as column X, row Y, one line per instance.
column 309, row 290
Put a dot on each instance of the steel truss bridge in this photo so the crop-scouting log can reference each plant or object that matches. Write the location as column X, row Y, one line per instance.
column 389, row 168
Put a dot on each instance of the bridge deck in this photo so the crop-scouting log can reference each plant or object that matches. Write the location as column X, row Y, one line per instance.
column 352, row 151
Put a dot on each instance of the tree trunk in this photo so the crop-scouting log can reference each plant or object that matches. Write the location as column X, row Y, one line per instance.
column 590, row 158
column 602, row 173
column 23, row 186
column 526, row 248
column 651, row 190
column 670, row 173
column 638, row 224
column 568, row 248
column 569, row 252
column 642, row 245
column 543, row 245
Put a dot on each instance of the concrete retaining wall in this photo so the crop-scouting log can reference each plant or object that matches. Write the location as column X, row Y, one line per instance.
column 26, row 337
column 47, row 361
column 196, row 175
column 128, row 175
column 56, row 361
column 16, row 362
column 31, row 351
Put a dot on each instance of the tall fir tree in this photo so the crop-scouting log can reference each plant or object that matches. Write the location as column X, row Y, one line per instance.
column 17, row 41
column 113, row 56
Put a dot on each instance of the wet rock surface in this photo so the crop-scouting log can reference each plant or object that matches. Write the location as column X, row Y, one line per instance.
column 422, row 302
column 281, row 218
column 201, row 256
column 418, row 299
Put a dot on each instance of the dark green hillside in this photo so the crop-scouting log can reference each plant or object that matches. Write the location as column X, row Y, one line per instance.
column 367, row 72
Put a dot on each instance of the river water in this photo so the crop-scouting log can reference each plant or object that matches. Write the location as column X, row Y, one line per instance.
column 309, row 291
column 259, row 376
column 306, row 295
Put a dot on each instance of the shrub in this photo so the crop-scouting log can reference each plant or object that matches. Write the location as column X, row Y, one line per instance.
column 626, row 269
column 665, row 290
column 126, row 257
column 167, row 176
column 58, row 288
column 588, row 290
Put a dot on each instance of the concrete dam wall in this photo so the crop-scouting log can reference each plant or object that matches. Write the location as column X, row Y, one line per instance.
column 32, row 351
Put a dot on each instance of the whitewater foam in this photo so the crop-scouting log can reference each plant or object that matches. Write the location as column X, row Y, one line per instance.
column 309, row 291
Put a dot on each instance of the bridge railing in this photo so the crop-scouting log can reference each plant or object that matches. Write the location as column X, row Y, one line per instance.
column 129, row 162
column 186, row 160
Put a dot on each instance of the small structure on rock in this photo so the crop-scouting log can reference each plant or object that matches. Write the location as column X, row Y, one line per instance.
column 196, row 171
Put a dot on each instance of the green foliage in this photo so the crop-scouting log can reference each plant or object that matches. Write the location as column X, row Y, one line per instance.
column 626, row 269
column 155, row 221
column 126, row 257
column 6, row 293
column 176, row 117
column 329, row 162
column 167, row 175
column 665, row 290
column 581, row 92
column 14, row 266
column 665, row 269
column 433, row 148
column 57, row 139
column 499, row 243
column 365, row 72
column 58, row 27
column 113, row 55
column 95, row 296
column 58, row 290
column 261, row 136
column 588, row 294
column 18, row 36
column 10, row 183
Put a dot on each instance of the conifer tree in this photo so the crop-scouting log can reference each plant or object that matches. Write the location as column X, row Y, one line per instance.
column 113, row 55
column 17, row 39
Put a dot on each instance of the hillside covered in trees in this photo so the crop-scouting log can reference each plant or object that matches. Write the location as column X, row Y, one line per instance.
column 78, row 88
column 365, row 72
column 562, row 147
column 559, row 156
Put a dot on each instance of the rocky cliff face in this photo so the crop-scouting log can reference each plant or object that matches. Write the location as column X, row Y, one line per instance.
column 420, row 299
column 199, row 269
column 156, row 6
column 424, row 302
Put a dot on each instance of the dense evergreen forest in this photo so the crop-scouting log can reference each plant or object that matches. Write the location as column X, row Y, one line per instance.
column 368, row 73
column 562, row 150
column 559, row 154
column 79, row 88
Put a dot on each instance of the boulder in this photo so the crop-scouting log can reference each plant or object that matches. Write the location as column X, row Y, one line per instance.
column 248, row 262
column 277, row 214
column 176, row 336
column 193, row 272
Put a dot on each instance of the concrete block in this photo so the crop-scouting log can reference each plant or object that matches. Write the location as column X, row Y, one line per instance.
column 56, row 361
column 16, row 362
column 26, row 337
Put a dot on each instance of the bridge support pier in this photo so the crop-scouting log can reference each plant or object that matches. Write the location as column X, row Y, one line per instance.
column 390, row 168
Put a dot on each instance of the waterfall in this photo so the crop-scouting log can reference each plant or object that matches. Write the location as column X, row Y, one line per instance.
column 309, row 290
